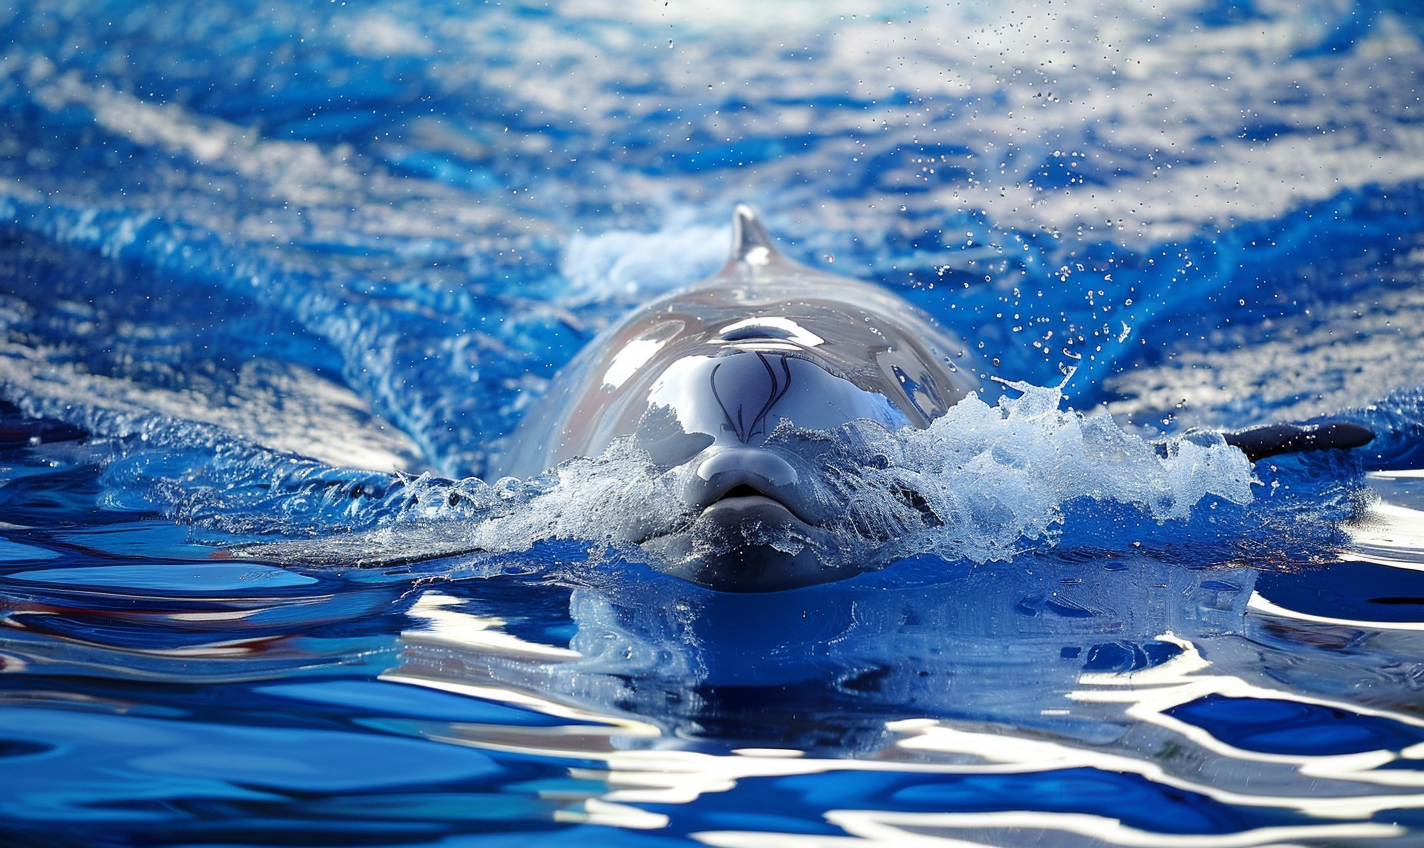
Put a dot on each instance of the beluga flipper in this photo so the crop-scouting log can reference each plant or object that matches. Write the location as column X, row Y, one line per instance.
column 703, row 378
column 1269, row 440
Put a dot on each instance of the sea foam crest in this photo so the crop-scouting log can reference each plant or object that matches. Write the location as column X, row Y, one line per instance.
column 622, row 267
column 1000, row 477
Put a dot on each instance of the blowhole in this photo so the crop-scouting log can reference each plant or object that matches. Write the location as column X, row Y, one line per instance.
column 746, row 332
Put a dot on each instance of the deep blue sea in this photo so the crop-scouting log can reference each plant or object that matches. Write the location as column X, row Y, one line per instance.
column 278, row 281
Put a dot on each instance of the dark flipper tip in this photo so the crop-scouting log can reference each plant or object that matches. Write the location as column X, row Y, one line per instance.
column 1274, row 439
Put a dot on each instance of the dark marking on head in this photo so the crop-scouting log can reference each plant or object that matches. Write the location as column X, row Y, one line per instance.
column 734, row 398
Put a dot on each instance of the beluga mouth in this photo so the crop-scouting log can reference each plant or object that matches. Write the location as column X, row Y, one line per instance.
column 745, row 502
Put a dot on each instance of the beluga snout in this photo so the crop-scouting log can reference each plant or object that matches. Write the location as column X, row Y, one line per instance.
column 731, row 473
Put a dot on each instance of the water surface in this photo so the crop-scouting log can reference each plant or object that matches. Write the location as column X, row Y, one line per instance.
column 288, row 276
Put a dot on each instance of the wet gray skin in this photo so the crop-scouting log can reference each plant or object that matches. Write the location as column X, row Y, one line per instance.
column 700, row 380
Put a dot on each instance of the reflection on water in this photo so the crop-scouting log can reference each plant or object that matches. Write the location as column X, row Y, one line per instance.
column 1122, row 734
column 1125, row 735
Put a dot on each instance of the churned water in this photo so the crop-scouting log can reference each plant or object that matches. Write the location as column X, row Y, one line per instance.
column 277, row 282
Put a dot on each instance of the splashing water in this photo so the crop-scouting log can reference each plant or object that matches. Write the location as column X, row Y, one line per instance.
column 989, row 482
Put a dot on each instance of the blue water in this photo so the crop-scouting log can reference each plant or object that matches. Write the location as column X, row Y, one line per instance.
column 276, row 282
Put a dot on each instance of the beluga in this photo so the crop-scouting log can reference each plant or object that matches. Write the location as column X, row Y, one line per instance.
column 703, row 379
column 724, row 384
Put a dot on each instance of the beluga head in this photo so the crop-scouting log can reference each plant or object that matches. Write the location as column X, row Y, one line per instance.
column 726, row 386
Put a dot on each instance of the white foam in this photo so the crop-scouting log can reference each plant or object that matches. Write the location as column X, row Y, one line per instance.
column 1000, row 477
column 622, row 265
